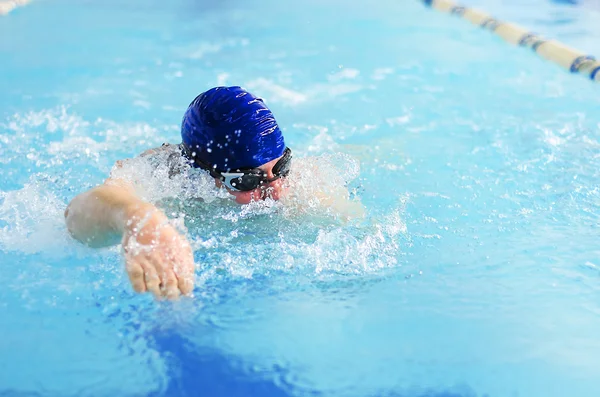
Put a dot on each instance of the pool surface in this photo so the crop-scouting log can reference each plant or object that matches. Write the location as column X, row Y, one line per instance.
column 475, row 272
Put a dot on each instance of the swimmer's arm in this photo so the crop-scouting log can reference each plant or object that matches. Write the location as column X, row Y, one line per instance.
column 341, row 204
column 158, row 259
column 98, row 217
column 336, row 200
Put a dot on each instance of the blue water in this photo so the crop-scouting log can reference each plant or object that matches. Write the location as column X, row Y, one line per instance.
column 476, row 271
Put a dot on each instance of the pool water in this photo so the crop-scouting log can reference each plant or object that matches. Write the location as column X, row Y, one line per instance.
column 475, row 271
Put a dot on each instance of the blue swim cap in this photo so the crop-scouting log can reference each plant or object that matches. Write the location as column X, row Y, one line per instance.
column 230, row 128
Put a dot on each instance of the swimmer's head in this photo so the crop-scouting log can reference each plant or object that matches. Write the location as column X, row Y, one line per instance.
column 230, row 128
column 227, row 129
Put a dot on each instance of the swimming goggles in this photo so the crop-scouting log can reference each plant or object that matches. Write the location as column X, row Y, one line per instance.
column 247, row 179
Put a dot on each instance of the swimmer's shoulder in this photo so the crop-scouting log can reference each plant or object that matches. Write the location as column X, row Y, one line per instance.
column 171, row 155
column 169, row 149
column 168, row 154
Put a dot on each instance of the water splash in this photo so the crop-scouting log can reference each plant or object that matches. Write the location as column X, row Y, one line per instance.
column 31, row 220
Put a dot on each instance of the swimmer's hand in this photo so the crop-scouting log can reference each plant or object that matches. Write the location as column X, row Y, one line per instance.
column 158, row 258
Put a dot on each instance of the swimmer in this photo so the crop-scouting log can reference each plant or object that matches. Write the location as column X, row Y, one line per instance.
column 227, row 132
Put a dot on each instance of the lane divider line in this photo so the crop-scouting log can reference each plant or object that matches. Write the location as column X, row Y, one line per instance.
column 554, row 51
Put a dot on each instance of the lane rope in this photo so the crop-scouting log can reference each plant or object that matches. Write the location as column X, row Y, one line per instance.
column 7, row 6
column 568, row 58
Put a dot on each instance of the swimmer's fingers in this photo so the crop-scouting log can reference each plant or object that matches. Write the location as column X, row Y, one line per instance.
column 151, row 279
column 170, row 268
column 184, row 269
column 185, row 276
column 136, row 276
column 169, row 282
column 166, row 276
column 185, row 283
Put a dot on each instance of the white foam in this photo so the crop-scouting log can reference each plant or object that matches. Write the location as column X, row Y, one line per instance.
column 381, row 73
column 199, row 51
column 296, row 328
column 318, row 185
column 76, row 144
column 322, row 141
column 332, row 91
column 152, row 177
column 66, row 130
column 395, row 121
column 275, row 92
column 222, row 78
column 56, row 119
column 142, row 104
column 345, row 73
column 204, row 49
column 34, row 218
